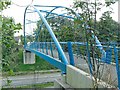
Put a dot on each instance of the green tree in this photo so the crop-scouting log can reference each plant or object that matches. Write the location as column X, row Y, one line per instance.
column 64, row 29
column 107, row 28
column 8, row 42
column 3, row 5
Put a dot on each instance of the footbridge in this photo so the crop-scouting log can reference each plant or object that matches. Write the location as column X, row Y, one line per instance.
column 47, row 34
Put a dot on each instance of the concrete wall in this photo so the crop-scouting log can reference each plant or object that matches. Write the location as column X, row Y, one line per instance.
column 80, row 79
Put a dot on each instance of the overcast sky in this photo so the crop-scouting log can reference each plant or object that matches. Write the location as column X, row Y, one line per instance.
column 17, row 12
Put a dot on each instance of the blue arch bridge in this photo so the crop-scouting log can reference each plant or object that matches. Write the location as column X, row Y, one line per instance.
column 72, row 57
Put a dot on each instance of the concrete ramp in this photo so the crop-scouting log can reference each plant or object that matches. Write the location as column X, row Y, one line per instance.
column 76, row 78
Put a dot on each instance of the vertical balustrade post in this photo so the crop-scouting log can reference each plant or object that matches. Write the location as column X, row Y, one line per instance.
column 46, row 48
column 51, row 49
column 70, row 52
column 78, row 49
column 59, row 56
column 39, row 47
column 42, row 47
column 108, row 56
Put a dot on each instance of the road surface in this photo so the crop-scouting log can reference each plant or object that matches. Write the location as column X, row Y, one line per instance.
column 22, row 80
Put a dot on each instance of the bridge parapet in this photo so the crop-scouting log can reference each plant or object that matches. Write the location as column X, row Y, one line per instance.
column 76, row 78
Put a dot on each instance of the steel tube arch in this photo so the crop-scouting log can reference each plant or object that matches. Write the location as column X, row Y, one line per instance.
column 64, row 59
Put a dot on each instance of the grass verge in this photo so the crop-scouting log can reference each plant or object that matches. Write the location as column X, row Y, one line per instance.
column 42, row 85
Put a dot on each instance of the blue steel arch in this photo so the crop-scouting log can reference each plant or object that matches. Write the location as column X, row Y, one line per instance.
column 50, row 12
column 47, row 25
column 54, row 62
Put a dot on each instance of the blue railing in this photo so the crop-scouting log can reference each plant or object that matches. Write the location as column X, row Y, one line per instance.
column 73, row 49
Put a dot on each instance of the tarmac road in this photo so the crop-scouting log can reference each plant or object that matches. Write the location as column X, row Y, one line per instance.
column 22, row 80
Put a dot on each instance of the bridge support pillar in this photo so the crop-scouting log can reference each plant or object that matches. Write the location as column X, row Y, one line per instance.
column 28, row 57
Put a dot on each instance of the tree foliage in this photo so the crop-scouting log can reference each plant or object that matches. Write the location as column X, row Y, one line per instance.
column 8, row 42
column 9, row 53
column 107, row 28
column 4, row 4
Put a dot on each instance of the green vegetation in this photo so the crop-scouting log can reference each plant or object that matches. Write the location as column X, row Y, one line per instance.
column 39, row 65
column 43, row 85
column 18, row 66
column 12, row 53
column 8, row 46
